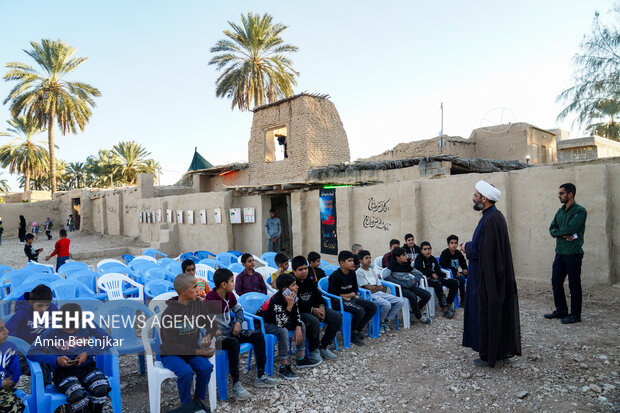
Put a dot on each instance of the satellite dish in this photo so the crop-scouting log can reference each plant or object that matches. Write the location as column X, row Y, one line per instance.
column 497, row 120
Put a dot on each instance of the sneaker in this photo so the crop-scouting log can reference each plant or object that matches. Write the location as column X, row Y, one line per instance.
column 386, row 326
column 425, row 320
column 239, row 392
column 361, row 336
column 315, row 356
column 570, row 319
column 555, row 314
column 287, row 373
column 307, row 362
column 328, row 354
column 264, row 382
column 451, row 307
column 381, row 330
column 448, row 314
column 356, row 340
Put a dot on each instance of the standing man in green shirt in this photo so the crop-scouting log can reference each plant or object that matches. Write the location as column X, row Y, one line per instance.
column 567, row 227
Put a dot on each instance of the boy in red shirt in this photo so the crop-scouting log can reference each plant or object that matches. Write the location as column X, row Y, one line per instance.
column 61, row 249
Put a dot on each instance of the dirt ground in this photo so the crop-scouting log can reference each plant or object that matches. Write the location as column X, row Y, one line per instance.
column 564, row 368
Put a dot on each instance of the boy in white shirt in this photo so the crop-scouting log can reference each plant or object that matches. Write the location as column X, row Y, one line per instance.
column 370, row 279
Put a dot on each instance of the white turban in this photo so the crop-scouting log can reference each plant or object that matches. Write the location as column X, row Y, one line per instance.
column 488, row 190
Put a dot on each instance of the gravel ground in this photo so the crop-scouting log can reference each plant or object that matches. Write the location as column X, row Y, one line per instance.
column 567, row 368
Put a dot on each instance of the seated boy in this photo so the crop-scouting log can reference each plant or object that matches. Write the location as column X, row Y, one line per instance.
column 451, row 258
column 179, row 349
column 189, row 267
column 428, row 265
column 388, row 255
column 70, row 355
column 281, row 315
column 343, row 283
column 9, row 374
column 248, row 280
column 61, row 249
column 313, row 312
column 281, row 261
column 402, row 273
column 32, row 254
column 411, row 249
column 21, row 324
column 314, row 270
column 369, row 279
column 233, row 336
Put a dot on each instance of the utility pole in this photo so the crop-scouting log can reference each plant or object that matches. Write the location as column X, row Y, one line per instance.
column 441, row 143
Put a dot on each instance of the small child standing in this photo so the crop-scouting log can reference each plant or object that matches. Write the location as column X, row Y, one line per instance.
column 281, row 315
column 9, row 374
column 32, row 254
column 48, row 228
column 74, row 372
column 35, row 229
column 61, row 249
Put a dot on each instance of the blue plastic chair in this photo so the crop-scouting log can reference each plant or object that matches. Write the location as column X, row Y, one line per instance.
column 48, row 399
column 6, row 305
column 89, row 279
column 188, row 256
column 113, row 267
column 164, row 261
column 39, row 268
column 324, row 264
column 270, row 258
column 71, row 289
column 215, row 264
column 5, row 268
column 28, row 399
column 155, row 273
column 236, row 267
column 127, row 258
column 151, row 252
column 449, row 274
column 226, row 258
column 373, row 329
column 330, row 269
column 15, row 278
column 132, row 344
column 173, row 269
column 347, row 318
column 237, row 254
column 153, row 288
column 201, row 255
column 72, row 266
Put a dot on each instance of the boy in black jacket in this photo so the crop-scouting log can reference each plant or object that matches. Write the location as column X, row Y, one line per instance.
column 428, row 265
column 343, row 283
column 453, row 259
column 32, row 254
column 313, row 312
column 281, row 315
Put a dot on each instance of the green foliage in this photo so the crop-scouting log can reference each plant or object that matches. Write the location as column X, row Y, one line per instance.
column 595, row 97
column 47, row 97
column 254, row 61
column 4, row 187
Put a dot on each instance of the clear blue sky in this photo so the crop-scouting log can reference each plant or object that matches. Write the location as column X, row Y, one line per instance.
column 387, row 66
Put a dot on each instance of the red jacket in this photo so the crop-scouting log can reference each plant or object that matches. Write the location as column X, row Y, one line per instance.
column 61, row 248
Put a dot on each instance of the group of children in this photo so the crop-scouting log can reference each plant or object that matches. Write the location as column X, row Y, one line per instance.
column 61, row 249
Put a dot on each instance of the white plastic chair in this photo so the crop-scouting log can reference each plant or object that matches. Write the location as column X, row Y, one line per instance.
column 157, row 373
column 146, row 257
column 379, row 263
column 158, row 303
column 406, row 310
column 108, row 260
column 202, row 269
column 112, row 284
column 266, row 272
column 257, row 260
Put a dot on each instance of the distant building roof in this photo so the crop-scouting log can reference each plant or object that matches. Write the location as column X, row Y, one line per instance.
column 198, row 162
column 268, row 105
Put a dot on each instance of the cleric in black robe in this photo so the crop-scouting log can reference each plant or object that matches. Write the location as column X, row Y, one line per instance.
column 499, row 335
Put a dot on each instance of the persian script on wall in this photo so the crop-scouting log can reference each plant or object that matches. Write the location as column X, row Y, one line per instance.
column 375, row 218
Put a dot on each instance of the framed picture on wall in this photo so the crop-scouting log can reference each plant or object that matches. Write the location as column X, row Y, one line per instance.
column 203, row 216
column 190, row 216
column 217, row 215
column 179, row 216
column 158, row 213
column 235, row 215
column 249, row 215
column 169, row 216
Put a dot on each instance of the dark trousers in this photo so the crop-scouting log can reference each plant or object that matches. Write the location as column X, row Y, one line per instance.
column 232, row 344
column 61, row 260
column 461, row 279
column 362, row 312
column 418, row 297
column 563, row 265
column 48, row 234
column 450, row 283
column 333, row 319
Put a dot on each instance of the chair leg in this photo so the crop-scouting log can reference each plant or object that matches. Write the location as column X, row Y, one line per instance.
column 270, row 348
column 346, row 330
column 221, row 369
column 141, row 364
column 155, row 397
column 375, row 324
column 406, row 314
column 213, row 385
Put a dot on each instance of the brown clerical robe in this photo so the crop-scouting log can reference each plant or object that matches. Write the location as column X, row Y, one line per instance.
column 500, row 332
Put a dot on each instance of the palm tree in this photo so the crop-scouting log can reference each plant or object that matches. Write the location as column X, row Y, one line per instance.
column 133, row 158
column 253, row 57
column 22, row 156
column 47, row 97
column 608, row 110
column 150, row 166
column 77, row 173
column 104, row 168
column 4, row 185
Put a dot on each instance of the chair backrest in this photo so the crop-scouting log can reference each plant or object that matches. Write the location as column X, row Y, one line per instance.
column 145, row 257
column 384, row 273
column 112, row 284
column 174, row 268
column 215, row 264
column 379, row 262
column 16, row 277
column 127, row 258
column 257, row 260
column 266, row 272
column 188, row 256
column 72, row 266
column 237, row 254
column 66, row 289
column 330, row 269
column 43, row 268
column 125, row 310
column 323, row 284
column 155, row 273
column 252, row 302
column 153, row 253
column 201, row 255
column 42, row 277
column 324, row 264
column 163, row 261
column 112, row 267
column 88, row 278
column 108, row 261
column 158, row 303
column 5, row 268
column 226, row 258
column 154, row 288
column 204, row 271
column 269, row 258
column 236, row 267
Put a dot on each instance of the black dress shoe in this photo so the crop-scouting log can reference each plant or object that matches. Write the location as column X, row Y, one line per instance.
column 570, row 319
column 555, row 314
